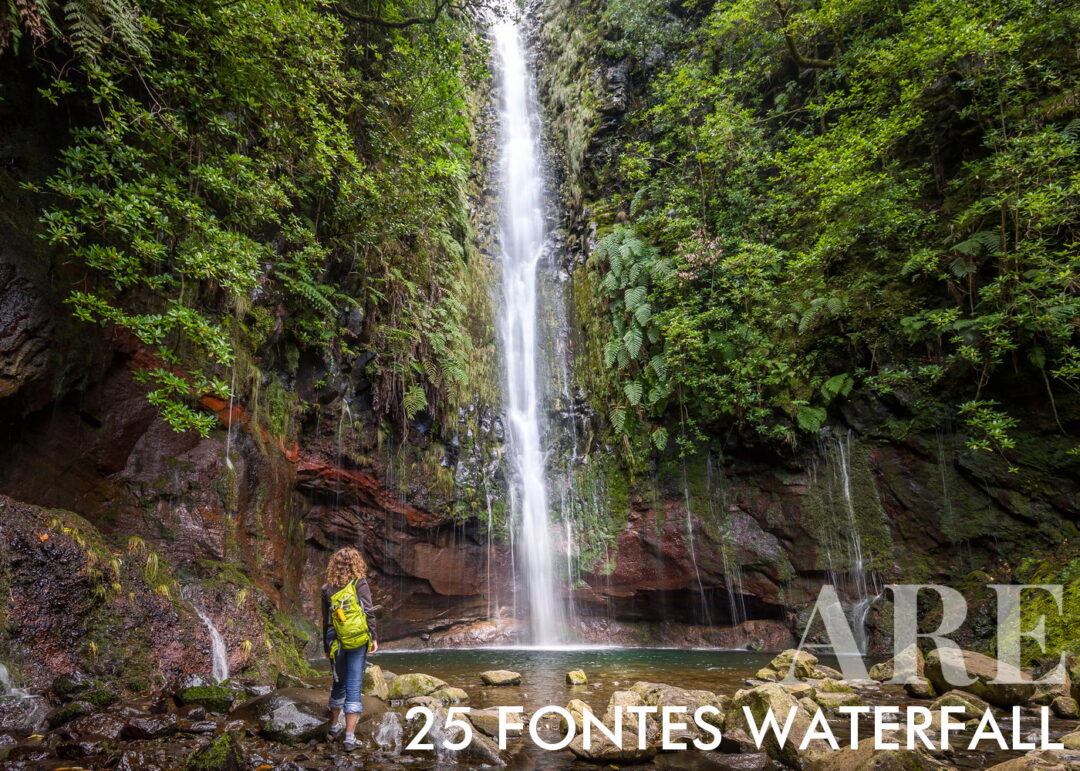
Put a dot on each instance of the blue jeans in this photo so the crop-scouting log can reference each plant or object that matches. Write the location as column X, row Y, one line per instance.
column 348, row 679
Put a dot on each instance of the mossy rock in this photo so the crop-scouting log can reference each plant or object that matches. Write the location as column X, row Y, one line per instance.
column 414, row 684
column 100, row 697
column 577, row 677
column 68, row 712
column 214, row 698
column 451, row 695
column 222, row 754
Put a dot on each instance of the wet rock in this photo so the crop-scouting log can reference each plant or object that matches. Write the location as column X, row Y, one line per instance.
column 828, row 685
column 821, row 672
column 67, row 686
column 866, row 758
column 718, row 761
column 767, row 673
column 375, row 683
column 29, row 752
column 23, row 715
column 919, row 688
column 1066, row 708
column 884, row 671
column 68, row 712
column 285, row 680
column 195, row 713
column 424, row 701
column 487, row 721
column 500, row 677
column 1071, row 741
column 974, row 707
column 293, row 715
column 576, row 677
column 141, row 760
column 79, row 750
column 106, row 726
column 198, row 727
column 603, row 750
column 414, row 684
column 984, row 670
column 804, row 664
column 150, row 727
column 225, row 753
column 451, row 695
column 832, row 700
column 662, row 695
column 738, row 741
column 800, row 690
column 1041, row 760
column 213, row 698
column 760, row 700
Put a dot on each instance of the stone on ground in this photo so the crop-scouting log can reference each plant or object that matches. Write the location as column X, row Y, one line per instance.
column 500, row 677
column 222, row 754
column 866, row 758
column 984, row 670
column 414, row 684
column 375, row 682
column 886, row 669
column 804, row 664
column 772, row 696
column 576, row 677
column 450, row 695
column 1065, row 707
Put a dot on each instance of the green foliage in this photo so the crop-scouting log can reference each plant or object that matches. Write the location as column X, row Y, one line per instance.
column 629, row 268
column 857, row 199
column 261, row 160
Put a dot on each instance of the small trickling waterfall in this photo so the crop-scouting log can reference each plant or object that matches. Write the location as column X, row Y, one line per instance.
column 522, row 237
column 31, row 708
column 219, row 661
column 848, row 561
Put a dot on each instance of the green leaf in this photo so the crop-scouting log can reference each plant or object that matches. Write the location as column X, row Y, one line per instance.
column 633, row 391
column 632, row 340
column 837, row 385
column 810, row 419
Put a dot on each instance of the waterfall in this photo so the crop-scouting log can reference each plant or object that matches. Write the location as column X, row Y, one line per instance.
column 522, row 238
column 31, row 709
column 219, row 662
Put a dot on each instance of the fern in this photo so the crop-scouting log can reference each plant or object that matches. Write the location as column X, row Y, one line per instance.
column 414, row 400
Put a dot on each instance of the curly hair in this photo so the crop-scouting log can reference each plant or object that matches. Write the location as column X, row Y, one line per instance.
column 346, row 565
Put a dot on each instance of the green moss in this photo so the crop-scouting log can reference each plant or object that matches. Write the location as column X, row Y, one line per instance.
column 100, row 697
column 222, row 754
column 215, row 698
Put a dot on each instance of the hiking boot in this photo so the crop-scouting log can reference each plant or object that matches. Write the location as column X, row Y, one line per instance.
column 350, row 744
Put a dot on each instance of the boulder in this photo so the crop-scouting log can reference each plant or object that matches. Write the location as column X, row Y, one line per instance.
column 375, row 682
column 481, row 749
column 866, row 758
column 214, row 698
column 1041, row 760
column 772, row 696
column 225, row 753
column 884, row 671
column 149, row 727
column 576, row 677
column 486, row 721
column 767, row 673
column 974, row 707
column 828, row 685
column 290, row 715
column 804, row 664
column 984, row 670
column 821, row 672
column 1065, row 707
column 103, row 726
column 830, row 700
column 285, row 680
column 414, row 684
column 919, row 688
column 500, row 677
column 799, row 690
column 1071, row 741
column 662, row 695
column 68, row 712
column 603, row 751
column 450, row 695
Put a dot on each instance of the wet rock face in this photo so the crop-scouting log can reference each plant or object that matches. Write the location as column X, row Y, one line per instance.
column 25, row 327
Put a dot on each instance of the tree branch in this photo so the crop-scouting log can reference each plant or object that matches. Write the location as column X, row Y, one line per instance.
column 802, row 61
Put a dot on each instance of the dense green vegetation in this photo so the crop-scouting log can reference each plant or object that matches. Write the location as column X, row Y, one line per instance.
column 249, row 183
column 833, row 199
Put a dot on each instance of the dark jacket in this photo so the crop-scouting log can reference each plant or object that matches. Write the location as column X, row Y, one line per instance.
column 363, row 591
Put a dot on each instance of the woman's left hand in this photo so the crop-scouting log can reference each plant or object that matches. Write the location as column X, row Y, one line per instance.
column 374, row 646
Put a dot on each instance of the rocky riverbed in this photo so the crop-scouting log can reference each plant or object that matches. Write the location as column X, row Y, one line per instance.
column 198, row 725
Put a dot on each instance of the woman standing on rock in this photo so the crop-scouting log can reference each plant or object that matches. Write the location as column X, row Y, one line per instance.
column 348, row 631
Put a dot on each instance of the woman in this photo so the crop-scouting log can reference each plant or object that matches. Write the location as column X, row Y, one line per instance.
column 346, row 566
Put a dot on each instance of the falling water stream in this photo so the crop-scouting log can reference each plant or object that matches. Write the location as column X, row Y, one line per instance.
column 219, row 661
column 522, row 232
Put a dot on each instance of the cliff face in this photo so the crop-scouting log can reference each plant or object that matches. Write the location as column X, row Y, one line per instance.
column 877, row 497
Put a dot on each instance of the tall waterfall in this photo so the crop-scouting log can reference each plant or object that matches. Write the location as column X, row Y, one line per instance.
column 522, row 237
